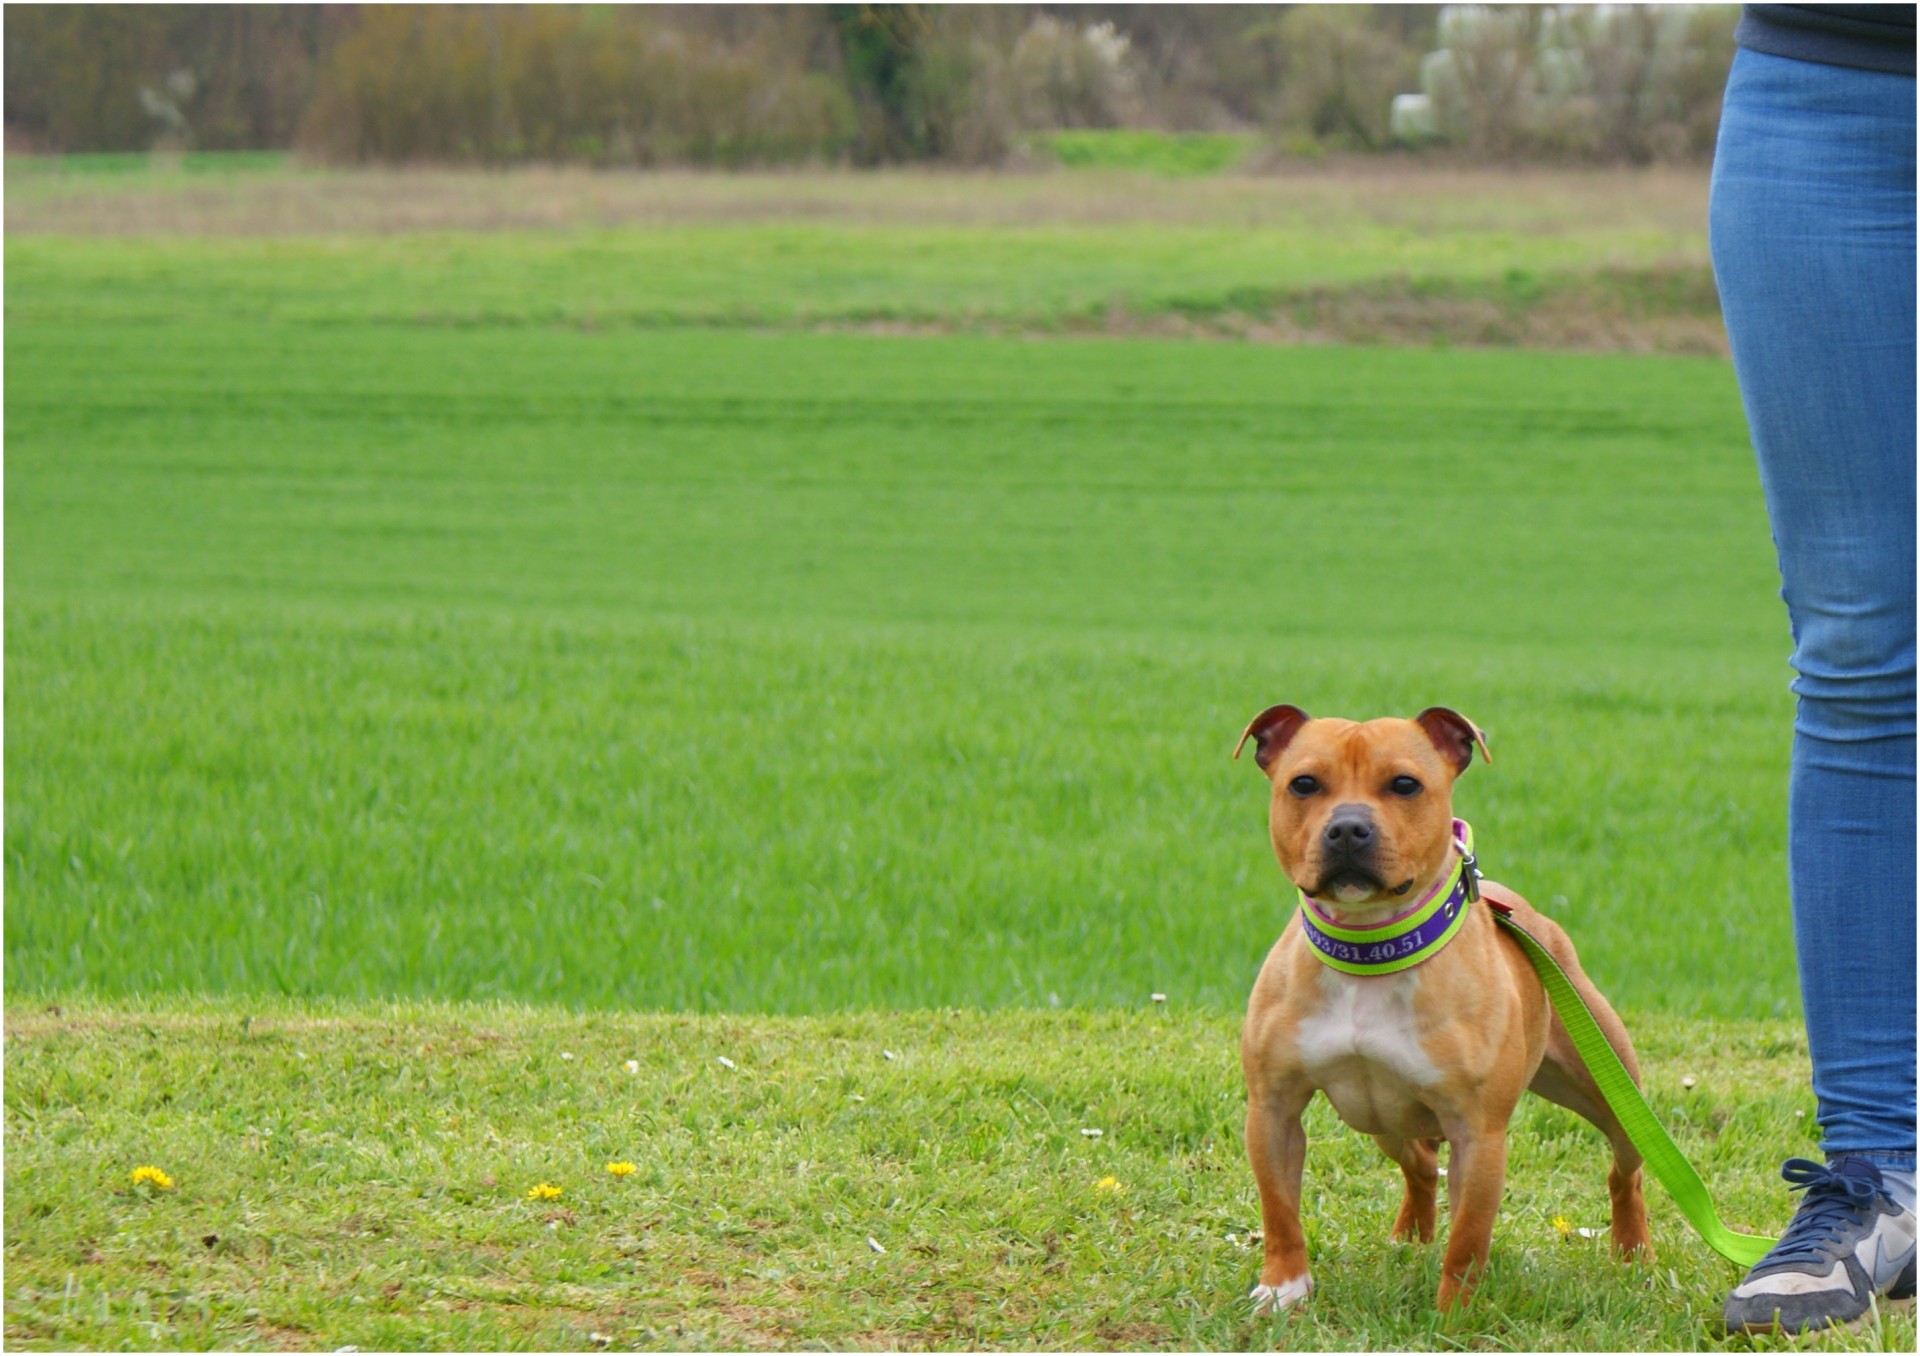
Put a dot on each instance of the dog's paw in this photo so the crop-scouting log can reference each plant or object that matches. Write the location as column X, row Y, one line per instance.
column 1271, row 1299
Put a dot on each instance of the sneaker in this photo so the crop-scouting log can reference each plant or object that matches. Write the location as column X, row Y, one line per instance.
column 1848, row 1243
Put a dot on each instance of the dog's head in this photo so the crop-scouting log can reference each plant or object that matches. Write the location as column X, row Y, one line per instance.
column 1362, row 811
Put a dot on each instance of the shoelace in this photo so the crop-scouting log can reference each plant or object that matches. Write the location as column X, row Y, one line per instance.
column 1833, row 1201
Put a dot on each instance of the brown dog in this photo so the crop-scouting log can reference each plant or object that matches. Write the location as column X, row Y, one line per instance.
column 1362, row 822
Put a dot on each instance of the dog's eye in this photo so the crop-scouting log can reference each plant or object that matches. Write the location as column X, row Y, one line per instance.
column 1404, row 786
column 1303, row 786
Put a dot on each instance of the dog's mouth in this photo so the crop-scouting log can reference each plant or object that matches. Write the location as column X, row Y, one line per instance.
column 1353, row 884
column 1349, row 885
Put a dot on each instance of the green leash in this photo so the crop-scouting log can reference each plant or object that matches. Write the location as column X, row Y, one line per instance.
column 1663, row 1156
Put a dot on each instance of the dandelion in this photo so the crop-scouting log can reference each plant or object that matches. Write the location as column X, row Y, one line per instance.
column 148, row 1175
column 1108, row 1184
column 620, row 1169
column 1562, row 1225
column 546, row 1191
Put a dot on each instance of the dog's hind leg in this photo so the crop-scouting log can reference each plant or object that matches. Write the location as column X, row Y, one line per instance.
column 1479, row 1162
column 1564, row 1078
column 1419, row 1165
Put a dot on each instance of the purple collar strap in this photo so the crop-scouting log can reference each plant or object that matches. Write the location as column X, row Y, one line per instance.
column 1404, row 941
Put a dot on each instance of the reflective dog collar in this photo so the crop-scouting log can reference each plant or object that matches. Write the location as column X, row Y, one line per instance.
column 1399, row 943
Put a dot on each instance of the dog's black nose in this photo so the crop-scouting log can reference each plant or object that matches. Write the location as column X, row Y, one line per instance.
column 1350, row 830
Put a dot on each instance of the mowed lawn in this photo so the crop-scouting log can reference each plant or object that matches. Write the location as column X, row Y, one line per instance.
column 359, row 1174
column 788, row 672
column 759, row 274
column 1369, row 251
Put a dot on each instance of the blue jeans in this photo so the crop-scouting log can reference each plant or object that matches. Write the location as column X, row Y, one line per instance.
column 1812, row 229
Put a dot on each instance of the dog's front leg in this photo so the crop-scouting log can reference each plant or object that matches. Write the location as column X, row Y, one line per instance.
column 1277, row 1144
column 1476, row 1176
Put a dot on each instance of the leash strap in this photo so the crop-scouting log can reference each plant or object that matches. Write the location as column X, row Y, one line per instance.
column 1663, row 1156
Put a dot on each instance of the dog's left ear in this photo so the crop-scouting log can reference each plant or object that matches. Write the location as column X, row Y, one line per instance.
column 1454, row 735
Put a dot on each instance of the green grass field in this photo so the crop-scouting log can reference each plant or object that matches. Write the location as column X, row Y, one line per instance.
column 767, row 672
column 757, row 275
column 359, row 1175
column 1162, row 153
column 1369, row 252
column 562, row 619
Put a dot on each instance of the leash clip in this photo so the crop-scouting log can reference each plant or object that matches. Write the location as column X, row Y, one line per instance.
column 1470, row 875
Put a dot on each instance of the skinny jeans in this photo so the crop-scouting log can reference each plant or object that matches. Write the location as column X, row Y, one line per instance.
column 1811, row 223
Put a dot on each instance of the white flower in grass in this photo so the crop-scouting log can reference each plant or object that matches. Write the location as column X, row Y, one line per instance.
column 1091, row 1133
column 722, row 1059
column 874, row 1243
column 566, row 1054
column 632, row 1066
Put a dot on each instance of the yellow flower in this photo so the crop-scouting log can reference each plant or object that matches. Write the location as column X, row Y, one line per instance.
column 620, row 1169
column 1108, row 1184
column 1562, row 1224
column 546, row 1191
column 152, row 1176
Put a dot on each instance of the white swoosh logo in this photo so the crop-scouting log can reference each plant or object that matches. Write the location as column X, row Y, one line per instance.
column 1883, row 1269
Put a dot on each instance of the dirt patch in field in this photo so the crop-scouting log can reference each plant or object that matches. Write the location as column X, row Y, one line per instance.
column 1389, row 191
column 1667, row 309
column 1132, row 1336
column 275, row 1337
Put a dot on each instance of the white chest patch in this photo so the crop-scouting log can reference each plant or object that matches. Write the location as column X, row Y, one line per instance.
column 1369, row 1020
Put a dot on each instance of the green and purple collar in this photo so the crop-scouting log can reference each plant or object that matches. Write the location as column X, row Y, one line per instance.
column 1401, row 942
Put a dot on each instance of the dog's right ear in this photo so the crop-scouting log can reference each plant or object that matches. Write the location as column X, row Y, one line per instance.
column 1271, row 731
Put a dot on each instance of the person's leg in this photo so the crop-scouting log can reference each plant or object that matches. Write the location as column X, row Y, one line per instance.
column 1812, row 227
column 1851, row 842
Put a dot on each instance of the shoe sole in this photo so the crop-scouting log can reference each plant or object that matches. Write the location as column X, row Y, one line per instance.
column 1868, row 1319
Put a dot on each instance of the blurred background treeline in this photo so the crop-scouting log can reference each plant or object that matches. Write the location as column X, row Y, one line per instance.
column 743, row 85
